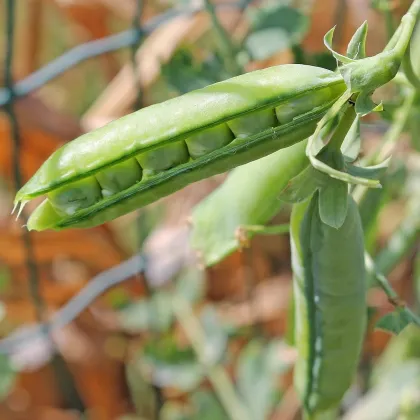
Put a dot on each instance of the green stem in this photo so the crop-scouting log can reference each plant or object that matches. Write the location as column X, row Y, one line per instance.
column 409, row 71
column 226, row 46
column 218, row 377
column 389, row 290
column 343, row 128
column 401, row 38
column 389, row 20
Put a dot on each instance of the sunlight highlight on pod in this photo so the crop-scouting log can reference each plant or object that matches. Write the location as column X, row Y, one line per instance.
column 160, row 149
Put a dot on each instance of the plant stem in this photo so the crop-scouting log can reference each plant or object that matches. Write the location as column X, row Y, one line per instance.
column 216, row 374
column 227, row 49
column 343, row 128
column 409, row 71
column 401, row 38
column 389, row 19
column 388, row 289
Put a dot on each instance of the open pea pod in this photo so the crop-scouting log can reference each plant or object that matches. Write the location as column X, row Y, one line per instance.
column 158, row 150
column 249, row 196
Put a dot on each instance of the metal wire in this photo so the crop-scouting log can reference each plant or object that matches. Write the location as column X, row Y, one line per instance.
column 12, row 91
column 92, row 49
column 16, row 140
column 96, row 286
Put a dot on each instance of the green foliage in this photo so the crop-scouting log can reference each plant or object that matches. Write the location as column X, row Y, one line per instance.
column 274, row 28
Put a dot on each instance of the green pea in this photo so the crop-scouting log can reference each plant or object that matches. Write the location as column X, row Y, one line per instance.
column 119, row 177
column 209, row 140
column 177, row 142
column 78, row 195
column 254, row 123
column 163, row 158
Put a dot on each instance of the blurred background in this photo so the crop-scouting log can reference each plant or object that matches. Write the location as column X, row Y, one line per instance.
column 78, row 64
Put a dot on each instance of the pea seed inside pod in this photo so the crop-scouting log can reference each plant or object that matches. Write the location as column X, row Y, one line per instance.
column 163, row 158
column 298, row 106
column 119, row 177
column 75, row 196
column 156, row 136
column 253, row 123
column 208, row 140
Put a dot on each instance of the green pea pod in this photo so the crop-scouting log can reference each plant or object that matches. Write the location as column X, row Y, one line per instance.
column 249, row 196
column 177, row 142
column 330, row 301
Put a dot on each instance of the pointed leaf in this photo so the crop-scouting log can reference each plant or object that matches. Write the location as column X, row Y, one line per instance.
column 365, row 105
column 370, row 172
column 357, row 45
column 328, row 38
column 352, row 142
column 333, row 201
column 394, row 322
column 303, row 185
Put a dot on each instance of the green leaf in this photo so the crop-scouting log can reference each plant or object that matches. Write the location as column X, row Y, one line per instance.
column 333, row 201
column 8, row 377
column 265, row 43
column 357, row 45
column 258, row 370
column 184, row 74
column 370, row 172
column 324, row 60
column 274, row 28
column 394, row 322
column 303, row 185
column 328, row 39
column 365, row 105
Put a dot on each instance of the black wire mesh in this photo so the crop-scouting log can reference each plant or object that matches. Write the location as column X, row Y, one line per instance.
column 9, row 94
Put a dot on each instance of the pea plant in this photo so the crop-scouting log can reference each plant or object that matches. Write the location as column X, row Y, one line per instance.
column 291, row 134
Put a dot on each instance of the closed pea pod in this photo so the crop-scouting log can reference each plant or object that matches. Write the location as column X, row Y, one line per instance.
column 330, row 305
column 182, row 140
